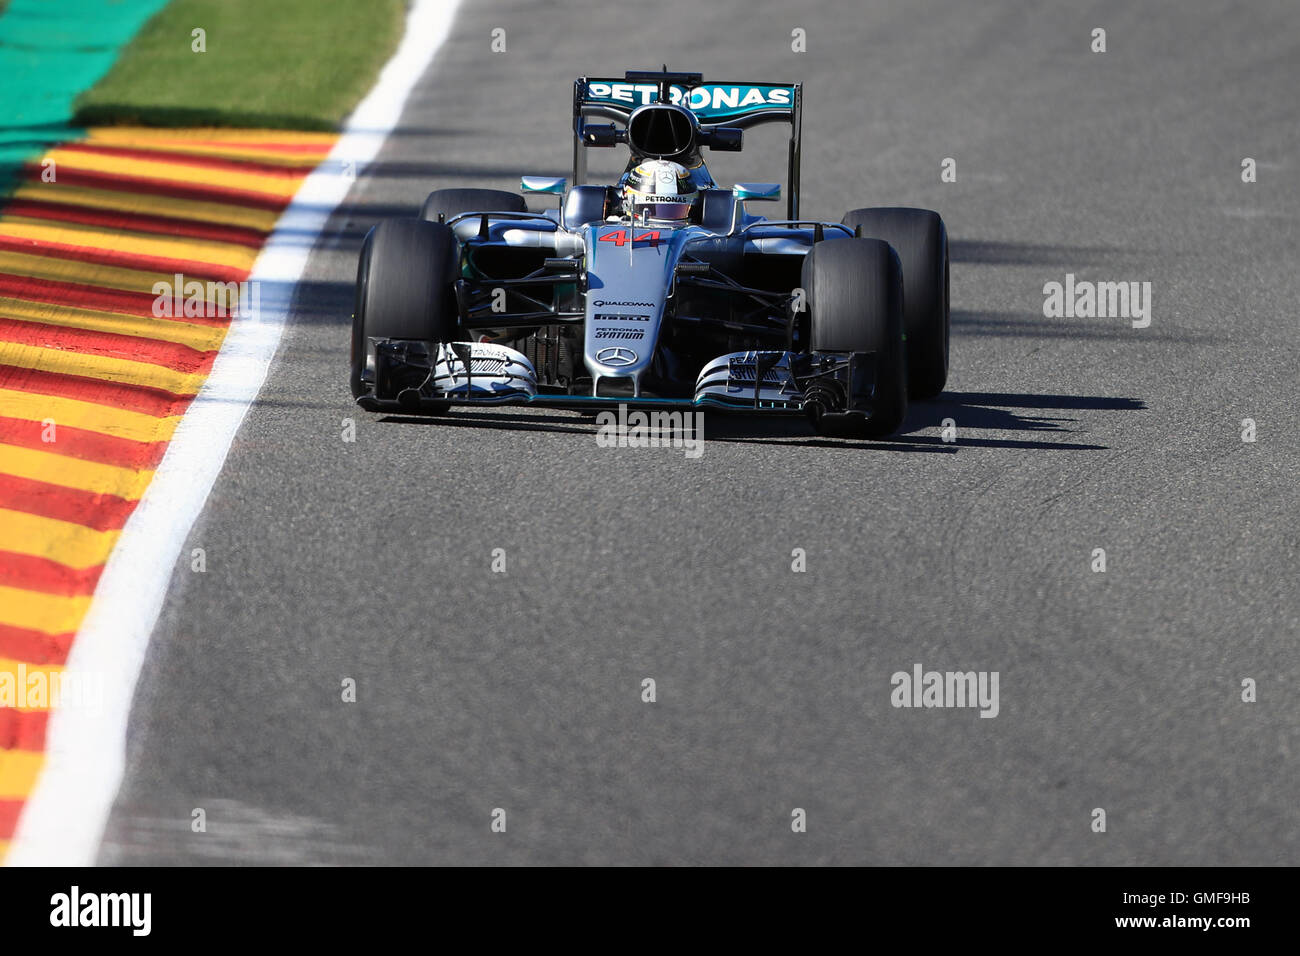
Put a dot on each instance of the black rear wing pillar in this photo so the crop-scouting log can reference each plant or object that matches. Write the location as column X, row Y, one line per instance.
column 792, row 172
column 579, row 147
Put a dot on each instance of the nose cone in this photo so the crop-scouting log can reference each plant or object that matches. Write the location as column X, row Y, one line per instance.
column 629, row 271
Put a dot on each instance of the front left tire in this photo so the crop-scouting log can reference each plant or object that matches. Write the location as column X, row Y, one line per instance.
column 855, row 304
column 921, row 241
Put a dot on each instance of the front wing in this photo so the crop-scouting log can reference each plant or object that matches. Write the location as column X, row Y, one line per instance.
column 411, row 376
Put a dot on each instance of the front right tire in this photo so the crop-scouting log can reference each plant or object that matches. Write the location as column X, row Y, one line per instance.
column 404, row 290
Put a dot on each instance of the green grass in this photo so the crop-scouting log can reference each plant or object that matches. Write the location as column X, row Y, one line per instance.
column 284, row 64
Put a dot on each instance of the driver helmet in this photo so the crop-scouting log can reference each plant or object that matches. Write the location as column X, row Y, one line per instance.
column 659, row 190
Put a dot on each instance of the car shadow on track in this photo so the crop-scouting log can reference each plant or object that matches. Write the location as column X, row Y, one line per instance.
column 721, row 427
column 997, row 252
column 1028, row 325
column 982, row 411
column 572, row 424
column 1011, row 412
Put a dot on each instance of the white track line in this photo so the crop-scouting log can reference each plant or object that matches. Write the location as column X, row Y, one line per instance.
column 63, row 821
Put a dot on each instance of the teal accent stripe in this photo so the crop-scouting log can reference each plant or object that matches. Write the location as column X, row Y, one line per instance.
column 49, row 53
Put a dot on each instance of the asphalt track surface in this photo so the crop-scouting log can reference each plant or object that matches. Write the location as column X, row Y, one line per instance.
column 1119, row 690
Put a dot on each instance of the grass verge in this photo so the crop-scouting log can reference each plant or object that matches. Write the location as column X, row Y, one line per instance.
column 282, row 64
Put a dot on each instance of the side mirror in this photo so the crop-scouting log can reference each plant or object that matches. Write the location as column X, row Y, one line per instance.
column 723, row 139
column 602, row 134
column 760, row 192
column 552, row 185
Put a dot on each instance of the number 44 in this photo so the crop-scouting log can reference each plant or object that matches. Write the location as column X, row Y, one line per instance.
column 620, row 237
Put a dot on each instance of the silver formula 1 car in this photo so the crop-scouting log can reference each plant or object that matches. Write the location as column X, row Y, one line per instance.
column 661, row 289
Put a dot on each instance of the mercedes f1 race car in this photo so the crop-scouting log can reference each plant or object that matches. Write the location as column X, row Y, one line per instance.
column 662, row 289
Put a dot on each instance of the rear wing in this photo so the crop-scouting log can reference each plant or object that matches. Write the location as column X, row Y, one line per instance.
column 734, row 105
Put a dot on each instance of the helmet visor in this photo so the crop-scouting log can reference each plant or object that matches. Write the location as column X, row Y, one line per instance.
column 664, row 211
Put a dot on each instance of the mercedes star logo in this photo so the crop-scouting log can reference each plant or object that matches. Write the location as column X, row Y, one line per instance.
column 616, row 357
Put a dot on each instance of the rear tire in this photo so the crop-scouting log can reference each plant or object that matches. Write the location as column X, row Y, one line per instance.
column 404, row 289
column 921, row 241
column 855, row 303
column 453, row 202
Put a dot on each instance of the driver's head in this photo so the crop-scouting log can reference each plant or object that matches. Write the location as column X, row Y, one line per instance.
column 659, row 190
